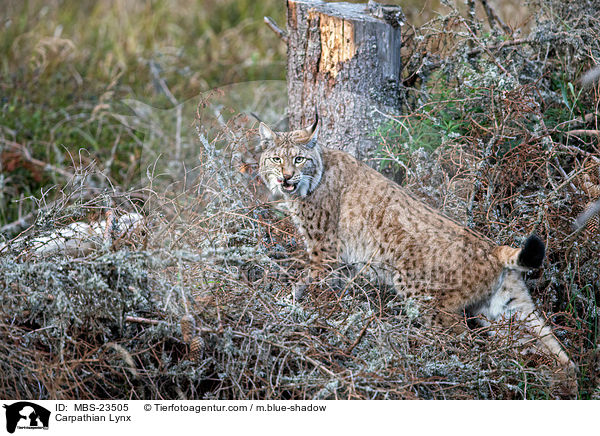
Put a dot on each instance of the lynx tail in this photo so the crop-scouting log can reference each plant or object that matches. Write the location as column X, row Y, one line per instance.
column 530, row 256
column 533, row 252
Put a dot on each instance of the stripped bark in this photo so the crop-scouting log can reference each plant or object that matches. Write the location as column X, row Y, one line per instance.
column 344, row 60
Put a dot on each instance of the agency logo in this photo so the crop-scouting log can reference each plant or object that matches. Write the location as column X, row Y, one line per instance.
column 26, row 415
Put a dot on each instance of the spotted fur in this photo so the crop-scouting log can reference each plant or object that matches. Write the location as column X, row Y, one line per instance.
column 349, row 212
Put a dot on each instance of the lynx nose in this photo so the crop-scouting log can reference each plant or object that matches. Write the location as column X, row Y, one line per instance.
column 284, row 179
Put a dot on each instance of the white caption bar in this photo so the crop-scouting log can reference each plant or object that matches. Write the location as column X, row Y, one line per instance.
column 292, row 417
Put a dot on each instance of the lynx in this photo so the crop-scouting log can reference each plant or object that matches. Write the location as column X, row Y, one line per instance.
column 348, row 212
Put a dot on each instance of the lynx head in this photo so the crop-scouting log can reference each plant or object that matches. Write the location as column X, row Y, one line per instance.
column 290, row 163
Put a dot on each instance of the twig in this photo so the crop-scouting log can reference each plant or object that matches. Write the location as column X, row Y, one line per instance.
column 493, row 16
column 585, row 132
column 27, row 156
column 281, row 34
column 261, row 222
column 86, row 193
column 561, row 170
column 483, row 47
column 302, row 356
column 360, row 336
column 486, row 49
column 502, row 45
column 155, row 70
column 554, row 192
column 25, row 220
column 18, row 224
column 140, row 320
column 471, row 7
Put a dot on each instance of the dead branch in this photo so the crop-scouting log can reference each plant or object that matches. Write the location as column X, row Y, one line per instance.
column 583, row 132
column 360, row 335
column 493, row 16
column 281, row 34
column 140, row 320
column 500, row 46
column 27, row 156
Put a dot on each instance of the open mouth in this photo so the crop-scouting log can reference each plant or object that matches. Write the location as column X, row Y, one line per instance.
column 286, row 186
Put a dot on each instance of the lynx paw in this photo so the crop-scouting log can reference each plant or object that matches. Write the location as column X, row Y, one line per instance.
column 564, row 383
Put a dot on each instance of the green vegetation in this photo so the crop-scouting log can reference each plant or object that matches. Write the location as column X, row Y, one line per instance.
column 65, row 68
column 441, row 119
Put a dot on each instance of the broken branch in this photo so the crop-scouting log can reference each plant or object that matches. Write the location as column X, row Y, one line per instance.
column 281, row 34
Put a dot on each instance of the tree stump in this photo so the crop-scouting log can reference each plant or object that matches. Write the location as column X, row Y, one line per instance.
column 344, row 60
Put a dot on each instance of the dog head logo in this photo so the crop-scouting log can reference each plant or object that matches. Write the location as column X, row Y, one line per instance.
column 26, row 415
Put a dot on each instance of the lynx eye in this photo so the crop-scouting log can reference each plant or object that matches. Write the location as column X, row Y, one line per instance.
column 299, row 160
column 276, row 159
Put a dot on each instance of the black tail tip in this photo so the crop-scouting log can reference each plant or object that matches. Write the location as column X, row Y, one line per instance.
column 533, row 252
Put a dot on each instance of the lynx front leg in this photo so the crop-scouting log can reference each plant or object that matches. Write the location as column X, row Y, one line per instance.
column 318, row 227
column 311, row 275
column 320, row 255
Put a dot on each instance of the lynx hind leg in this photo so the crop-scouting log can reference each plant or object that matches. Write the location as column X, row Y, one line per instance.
column 513, row 299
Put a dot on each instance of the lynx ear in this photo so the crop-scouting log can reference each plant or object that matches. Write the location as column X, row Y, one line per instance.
column 266, row 132
column 312, row 133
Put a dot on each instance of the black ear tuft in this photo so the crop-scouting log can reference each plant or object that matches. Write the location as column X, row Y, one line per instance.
column 533, row 252
column 313, row 133
column 314, row 126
